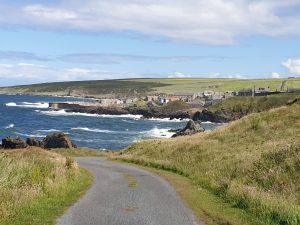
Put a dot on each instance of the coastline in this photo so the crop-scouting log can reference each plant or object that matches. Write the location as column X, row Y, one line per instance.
column 146, row 112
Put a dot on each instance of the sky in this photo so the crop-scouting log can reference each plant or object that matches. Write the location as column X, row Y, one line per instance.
column 63, row 40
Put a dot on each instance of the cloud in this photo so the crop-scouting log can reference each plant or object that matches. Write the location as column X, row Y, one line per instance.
column 101, row 58
column 293, row 66
column 16, row 56
column 179, row 75
column 217, row 22
column 233, row 76
column 33, row 73
column 110, row 58
column 275, row 75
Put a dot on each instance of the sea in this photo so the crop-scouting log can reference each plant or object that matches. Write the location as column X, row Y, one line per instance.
column 26, row 116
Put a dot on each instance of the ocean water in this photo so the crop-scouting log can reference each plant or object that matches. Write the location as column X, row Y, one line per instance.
column 25, row 116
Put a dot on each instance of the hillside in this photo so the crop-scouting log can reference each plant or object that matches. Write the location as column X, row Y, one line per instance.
column 237, row 107
column 142, row 87
column 252, row 163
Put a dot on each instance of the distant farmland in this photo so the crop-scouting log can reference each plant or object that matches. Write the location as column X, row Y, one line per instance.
column 142, row 87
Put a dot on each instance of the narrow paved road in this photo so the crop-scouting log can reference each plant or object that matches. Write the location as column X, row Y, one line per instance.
column 126, row 195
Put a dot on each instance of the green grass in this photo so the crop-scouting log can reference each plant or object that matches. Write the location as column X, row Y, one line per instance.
column 246, row 105
column 206, row 206
column 142, row 87
column 37, row 186
column 219, row 84
column 80, row 152
column 252, row 163
column 107, row 88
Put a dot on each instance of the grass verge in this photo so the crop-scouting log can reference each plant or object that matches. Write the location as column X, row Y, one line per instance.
column 80, row 152
column 208, row 207
column 37, row 186
column 252, row 163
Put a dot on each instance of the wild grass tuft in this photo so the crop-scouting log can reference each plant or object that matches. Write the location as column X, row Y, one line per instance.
column 34, row 185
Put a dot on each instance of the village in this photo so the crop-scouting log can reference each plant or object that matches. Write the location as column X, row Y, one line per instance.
column 196, row 100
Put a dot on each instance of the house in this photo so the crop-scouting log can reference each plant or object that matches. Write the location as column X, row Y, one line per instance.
column 262, row 90
column 208, row 94
column 172, row 98
column 245, row 93
column 110, row 101
column 228, row 94
column 294, row 90
column 151, row 98
column 163, row 100
column 186, row 97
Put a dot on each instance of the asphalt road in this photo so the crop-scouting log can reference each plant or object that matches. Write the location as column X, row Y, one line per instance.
column 126, row 195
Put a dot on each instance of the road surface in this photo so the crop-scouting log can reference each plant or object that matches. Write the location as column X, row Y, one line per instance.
column 126, row 195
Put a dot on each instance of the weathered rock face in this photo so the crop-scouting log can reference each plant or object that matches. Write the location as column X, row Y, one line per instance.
column 13, row 143
column 58, row 140
column 32, row 141
column 192, row 127
column 220, row 116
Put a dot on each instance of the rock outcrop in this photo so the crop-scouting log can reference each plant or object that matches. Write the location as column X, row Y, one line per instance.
column 58, row 140
column 220, row 116
column 32, row 141
column 192, row 127
column 13, row 143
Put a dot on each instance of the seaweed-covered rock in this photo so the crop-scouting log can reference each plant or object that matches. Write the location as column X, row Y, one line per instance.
column 13, row 143
column 58, row 140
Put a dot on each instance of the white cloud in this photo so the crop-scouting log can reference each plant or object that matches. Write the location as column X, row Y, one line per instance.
column 217, row 22
column 31, row 73
column 275, row 75
column 233, row 76
column 293, row 66
column 179, row 75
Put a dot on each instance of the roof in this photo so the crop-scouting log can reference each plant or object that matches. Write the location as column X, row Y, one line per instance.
column 183, row 94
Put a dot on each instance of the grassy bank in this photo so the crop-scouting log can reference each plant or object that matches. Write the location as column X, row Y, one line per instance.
column 36, row 186
column 246, row 105
column 252, row 163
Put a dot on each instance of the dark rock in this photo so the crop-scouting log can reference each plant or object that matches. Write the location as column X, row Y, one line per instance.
column 58, row 140
column 13, row 143
column 192, row 127
column 32, row 141
column 293, row 101
column 220, row 116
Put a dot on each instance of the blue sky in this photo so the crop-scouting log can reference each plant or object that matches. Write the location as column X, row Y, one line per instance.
column 62, row 40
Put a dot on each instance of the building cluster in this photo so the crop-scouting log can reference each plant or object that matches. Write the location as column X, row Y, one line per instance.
column 116, row 101
column 201, row 99
column 207, row 98
column 195, row 99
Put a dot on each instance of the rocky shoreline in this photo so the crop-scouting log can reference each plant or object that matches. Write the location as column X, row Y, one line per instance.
column 220, row 116
column 55, row 140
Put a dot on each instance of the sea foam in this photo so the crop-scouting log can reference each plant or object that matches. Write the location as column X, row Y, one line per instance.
column 40, row 105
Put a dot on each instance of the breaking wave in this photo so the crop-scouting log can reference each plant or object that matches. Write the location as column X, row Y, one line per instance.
column 91, row 130
column 65, row 113
column 40, row 105
column 10, row 126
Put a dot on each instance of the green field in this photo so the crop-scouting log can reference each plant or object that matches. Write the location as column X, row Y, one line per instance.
column 220, row 85
column 142, row 87
column 252, row 163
